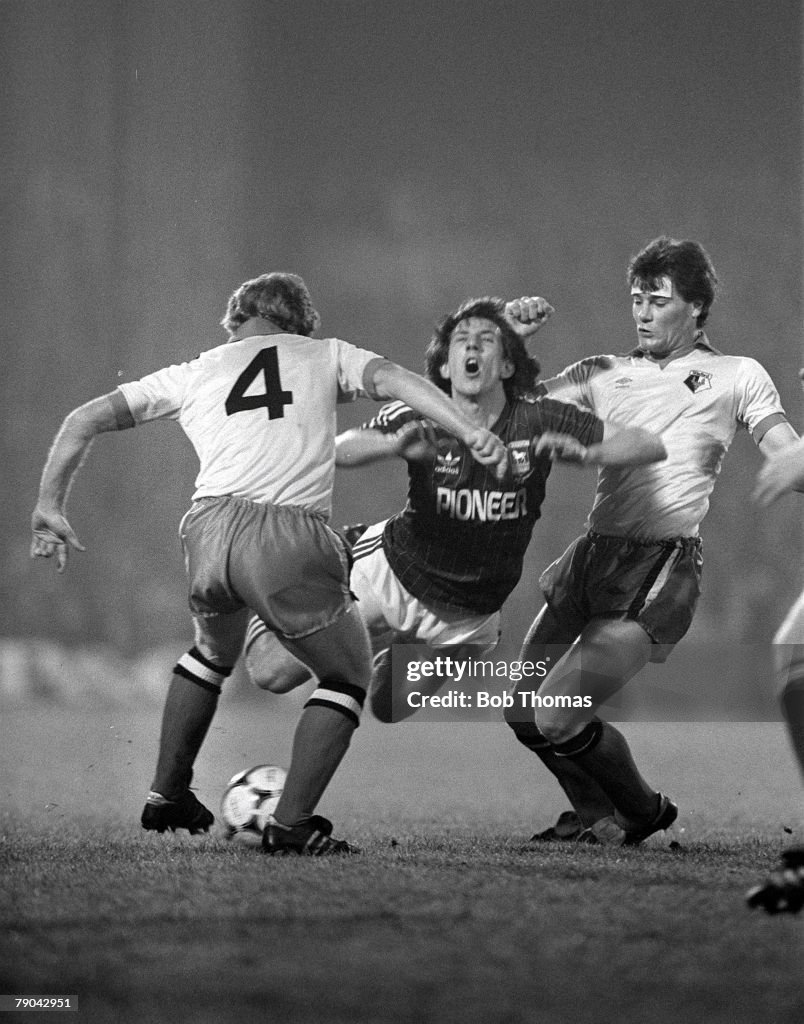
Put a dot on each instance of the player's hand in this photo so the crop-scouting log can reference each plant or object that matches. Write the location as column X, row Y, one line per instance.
column 560, row 447
column 416, row 441
column 528, row 314
column 488, row 450
column 52, row 535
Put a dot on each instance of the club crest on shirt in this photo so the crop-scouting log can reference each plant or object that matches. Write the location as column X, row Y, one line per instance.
column 519, row 458
column 699, row 380
column 448, row 465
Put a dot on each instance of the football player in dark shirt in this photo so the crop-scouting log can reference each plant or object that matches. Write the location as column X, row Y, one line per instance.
column 439, row 571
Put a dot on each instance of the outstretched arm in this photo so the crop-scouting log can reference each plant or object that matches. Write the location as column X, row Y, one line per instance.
column 414, row 441
column 393, row 381
column 52, row 533
column 621, row 446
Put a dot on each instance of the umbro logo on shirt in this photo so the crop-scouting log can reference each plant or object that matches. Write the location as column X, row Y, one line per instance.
column 623, row 382
column 699, row 380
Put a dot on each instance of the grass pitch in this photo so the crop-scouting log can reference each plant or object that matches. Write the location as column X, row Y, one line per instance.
column 443, row 917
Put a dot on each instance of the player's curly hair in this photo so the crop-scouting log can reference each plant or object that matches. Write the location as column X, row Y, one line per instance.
column 686, row 263
column 526, row 368
column 281, row 298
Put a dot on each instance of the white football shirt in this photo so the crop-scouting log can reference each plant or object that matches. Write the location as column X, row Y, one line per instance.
column 260, row 414
column 696, row 403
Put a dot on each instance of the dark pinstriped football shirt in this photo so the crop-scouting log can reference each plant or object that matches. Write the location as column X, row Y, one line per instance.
column 461, row 538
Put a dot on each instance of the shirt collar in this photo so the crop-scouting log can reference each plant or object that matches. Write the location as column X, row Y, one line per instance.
column 701, row 341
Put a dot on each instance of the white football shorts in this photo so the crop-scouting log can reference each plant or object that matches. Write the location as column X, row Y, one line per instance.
column 393, row 615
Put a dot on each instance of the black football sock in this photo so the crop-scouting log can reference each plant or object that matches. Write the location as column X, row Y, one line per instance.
column 603, row 753
column 189, row 709
column 322, row 737
column 186, row 717
column 588, row 800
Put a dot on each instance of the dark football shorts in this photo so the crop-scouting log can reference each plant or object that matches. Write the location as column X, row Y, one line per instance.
column 281, row 561
column 655, row 583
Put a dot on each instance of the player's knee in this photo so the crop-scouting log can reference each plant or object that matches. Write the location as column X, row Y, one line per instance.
column 529, row 735
column 577, row 740
column 558, row 729
column 381, row 695
column 275, row 677
column 382, row 707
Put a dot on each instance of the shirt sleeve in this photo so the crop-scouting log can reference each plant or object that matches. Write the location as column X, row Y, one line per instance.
column 158, row 395
column 391, row 418
column 565, row 418
column 757, row 397
column 353, row 362
column 573, row 384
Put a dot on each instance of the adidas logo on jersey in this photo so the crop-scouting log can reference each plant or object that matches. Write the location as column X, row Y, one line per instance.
column 447, row 465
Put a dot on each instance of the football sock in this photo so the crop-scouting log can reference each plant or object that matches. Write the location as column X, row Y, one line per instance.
column 588, row 800
column 322, row 737
column 189, row 709
column 603, row 753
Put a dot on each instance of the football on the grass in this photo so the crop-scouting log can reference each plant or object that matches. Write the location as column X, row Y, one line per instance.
column 249, row 798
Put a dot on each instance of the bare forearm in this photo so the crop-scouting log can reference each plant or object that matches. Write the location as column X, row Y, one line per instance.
column 72, row 443
column 630, row 446
column 68, row 451
column 359, row 447
column 392, row 381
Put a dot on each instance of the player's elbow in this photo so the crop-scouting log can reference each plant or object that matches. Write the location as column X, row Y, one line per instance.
column 389, row 379
column 81, row 425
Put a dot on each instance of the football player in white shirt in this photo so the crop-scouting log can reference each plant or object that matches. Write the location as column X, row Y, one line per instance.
column 784, row 889
column 260, row 412
column 625, row 593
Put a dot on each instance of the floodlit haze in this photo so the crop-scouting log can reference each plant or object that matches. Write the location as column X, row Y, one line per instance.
column 400, row 157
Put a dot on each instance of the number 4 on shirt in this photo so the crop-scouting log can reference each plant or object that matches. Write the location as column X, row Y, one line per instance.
column 274, row 399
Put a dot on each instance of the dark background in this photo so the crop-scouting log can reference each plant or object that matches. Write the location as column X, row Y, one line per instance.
column 400, row 157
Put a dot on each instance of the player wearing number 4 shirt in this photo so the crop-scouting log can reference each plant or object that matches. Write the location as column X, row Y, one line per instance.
column 260, row 412
column 438, row 572
column 626, row 592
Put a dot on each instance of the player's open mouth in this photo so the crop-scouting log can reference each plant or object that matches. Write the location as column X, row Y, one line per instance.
column 471, row 366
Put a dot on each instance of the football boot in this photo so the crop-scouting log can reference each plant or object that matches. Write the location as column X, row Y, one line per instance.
column 160, row 814
column 665, row 816
column 312, row 838
column 566, row 830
